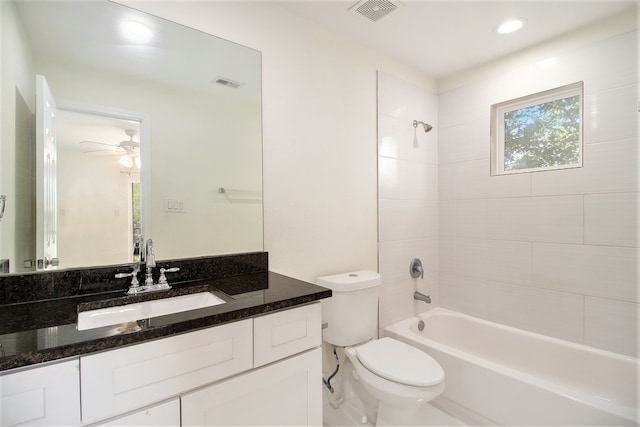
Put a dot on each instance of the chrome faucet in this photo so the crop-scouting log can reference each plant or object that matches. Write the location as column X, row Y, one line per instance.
column 422, row 297
column 150, row 263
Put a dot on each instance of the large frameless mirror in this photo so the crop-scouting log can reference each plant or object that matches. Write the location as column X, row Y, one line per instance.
column 118, row 126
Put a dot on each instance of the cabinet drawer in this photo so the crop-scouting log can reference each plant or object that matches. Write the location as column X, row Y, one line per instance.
column 163, row 415
column 48, row 395
column 121, row 380
column 278, row 335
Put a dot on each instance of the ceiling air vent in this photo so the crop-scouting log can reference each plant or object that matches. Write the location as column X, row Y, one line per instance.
column 373, row 10
column 228, row 82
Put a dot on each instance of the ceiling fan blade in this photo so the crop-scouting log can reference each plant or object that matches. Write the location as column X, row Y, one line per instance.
column 115, row 147
column 103, row 152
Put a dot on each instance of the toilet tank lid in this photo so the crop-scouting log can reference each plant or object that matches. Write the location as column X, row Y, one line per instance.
column 352, row 281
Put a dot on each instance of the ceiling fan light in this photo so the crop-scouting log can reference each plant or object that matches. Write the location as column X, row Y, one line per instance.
column 126, row 161
column 137, row 162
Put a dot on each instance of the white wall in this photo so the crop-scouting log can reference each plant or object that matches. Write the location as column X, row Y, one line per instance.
column 319, row 133
column 408, row 196
column 553, row 252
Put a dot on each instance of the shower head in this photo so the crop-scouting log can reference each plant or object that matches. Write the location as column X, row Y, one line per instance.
column 427, row 127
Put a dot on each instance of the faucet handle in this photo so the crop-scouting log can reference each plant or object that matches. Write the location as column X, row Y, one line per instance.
column 134, row 288
column 134, row 272
column 162, row 281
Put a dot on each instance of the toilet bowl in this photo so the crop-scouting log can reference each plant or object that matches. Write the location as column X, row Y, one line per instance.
column 383, row 380
column 400, row 379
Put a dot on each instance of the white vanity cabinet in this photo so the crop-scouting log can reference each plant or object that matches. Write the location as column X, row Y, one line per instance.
column 43, row 396
column 116, row 381
column 257, row 371
column 286, row 389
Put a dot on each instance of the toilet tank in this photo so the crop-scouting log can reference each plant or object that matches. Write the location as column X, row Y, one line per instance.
column 352, row 311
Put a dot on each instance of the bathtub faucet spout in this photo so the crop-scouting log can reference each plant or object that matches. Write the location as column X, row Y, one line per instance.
column 422, row 297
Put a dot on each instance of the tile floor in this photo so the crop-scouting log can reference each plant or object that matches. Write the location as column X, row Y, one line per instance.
column 343, row 417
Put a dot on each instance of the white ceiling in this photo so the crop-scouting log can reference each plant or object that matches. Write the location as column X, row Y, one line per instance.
column 444, row 37
column 89, row 33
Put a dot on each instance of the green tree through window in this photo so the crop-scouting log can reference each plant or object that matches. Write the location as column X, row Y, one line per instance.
column 537, row 132
column 136, row 210
column 543, row 135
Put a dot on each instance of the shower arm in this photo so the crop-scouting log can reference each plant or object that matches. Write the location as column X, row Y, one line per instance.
column 427, row 127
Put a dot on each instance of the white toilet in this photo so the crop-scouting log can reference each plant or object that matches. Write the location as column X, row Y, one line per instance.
column 383, row 380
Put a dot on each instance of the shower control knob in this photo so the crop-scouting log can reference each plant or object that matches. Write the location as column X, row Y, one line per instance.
column 415, row 269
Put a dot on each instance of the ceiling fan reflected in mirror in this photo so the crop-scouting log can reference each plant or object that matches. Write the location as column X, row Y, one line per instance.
column 129, row 150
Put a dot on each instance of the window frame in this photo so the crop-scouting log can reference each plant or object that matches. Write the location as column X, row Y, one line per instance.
column 498, row 126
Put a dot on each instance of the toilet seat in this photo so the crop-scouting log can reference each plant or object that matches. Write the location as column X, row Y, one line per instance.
column 399, row 362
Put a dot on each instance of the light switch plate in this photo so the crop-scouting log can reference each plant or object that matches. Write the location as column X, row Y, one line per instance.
column 174, row 206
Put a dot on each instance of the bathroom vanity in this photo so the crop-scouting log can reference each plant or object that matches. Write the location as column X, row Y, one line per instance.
column 253, row 357
column 252, row 360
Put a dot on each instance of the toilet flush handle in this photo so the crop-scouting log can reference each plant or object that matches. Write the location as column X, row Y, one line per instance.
column 415, row 269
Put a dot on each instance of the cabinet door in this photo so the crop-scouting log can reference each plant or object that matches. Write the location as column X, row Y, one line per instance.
column 163, row 415
column 285, row 333
column 287, row 393
column 122, row 380
column 44, row 396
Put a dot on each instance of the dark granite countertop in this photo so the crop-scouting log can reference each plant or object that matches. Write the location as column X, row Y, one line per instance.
column 41, row 331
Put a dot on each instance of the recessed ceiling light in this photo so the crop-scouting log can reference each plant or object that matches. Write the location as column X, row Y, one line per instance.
column 136, row 32
column 510, row 26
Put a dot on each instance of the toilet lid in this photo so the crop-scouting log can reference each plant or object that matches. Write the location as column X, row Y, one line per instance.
column 400, row 362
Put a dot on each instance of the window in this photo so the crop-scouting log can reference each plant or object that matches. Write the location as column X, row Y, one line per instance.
column 538, row 132
column 136, row 211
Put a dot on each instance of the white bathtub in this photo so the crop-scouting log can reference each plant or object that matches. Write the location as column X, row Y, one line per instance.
column 502, row 375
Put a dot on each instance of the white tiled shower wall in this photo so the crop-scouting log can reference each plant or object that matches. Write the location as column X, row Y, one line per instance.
column 407, row 196
column 552, row 252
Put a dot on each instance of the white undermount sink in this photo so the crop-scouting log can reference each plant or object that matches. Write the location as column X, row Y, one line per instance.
column 143, row 310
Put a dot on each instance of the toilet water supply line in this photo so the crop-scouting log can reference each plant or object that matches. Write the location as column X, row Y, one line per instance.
column 327, row 382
